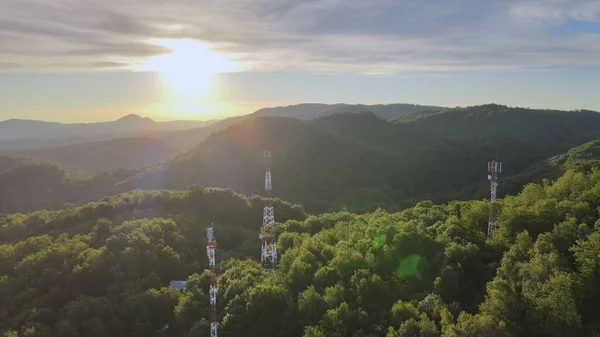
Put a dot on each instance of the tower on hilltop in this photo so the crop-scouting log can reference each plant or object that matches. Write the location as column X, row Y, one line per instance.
column 494, row 167
column 210, row 251
column 268, row 255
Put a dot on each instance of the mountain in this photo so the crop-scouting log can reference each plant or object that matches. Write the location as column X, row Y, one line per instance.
column 356, row 161
column 19, row 134
column 185, row 140
column 518, row 136
column 19, row 128
column 582, row 158
column 315, row 110
column 182, row 135
column 102, row 156
column 315, row 161
column 359, row 162
column 324, row 158
column 41, row 185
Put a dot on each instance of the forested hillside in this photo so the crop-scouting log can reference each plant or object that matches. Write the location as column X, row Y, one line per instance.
column 516, row 135
column 37, row 185
column 103, row 269
column 185, row 140
column 355, row 162
column 582, row 158
column 334, row 159
column 8, row 163
column 104, row 156
column 358, row 162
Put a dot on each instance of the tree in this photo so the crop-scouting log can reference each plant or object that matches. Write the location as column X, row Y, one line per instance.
column 268, row 312
column 311, row 306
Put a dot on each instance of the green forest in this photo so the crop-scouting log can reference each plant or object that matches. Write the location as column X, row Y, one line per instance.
column 103, row 269
column 381, row 231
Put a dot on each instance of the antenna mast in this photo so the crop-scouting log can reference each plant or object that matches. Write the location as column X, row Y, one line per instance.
column 268, row 256
column 210, row 251
column 494, row 168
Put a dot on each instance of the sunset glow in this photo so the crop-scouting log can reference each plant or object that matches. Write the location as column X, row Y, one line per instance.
column 190, row 69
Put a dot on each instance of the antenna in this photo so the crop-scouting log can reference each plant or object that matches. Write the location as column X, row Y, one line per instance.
column 494, row 167
column 210, row 252
column 268, row 255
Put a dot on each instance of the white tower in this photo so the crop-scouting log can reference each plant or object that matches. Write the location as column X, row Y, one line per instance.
column 268, row 255
column 494, row 168
column 210, row 251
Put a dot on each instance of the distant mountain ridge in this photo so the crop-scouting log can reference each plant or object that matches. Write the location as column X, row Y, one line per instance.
column 185, row 140
column 22, row 129
column 352, row 161
column 180, row 134
column 314, row 110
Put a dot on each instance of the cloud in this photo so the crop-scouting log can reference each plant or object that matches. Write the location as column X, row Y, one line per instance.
column 108, row 65
column 558, row 10
column 7, row 65
column 378, row 36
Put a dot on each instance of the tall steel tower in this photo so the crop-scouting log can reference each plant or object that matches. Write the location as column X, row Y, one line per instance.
column 210, row 251
column 268, row 255
column 494, row 168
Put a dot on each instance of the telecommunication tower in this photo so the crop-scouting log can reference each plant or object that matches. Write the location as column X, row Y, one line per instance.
column 268, row 255
column 210, row 251
column 494, row 167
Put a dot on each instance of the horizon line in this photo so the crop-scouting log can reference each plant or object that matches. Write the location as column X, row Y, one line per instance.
column 284, row 106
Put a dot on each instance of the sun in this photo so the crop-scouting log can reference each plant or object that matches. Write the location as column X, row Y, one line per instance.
column 190, row 69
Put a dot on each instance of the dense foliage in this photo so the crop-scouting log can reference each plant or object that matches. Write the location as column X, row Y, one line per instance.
column 103, row 269
column 90, row 271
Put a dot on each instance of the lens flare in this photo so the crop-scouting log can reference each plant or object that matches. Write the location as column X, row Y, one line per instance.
column 379, row 241
column 409, row 267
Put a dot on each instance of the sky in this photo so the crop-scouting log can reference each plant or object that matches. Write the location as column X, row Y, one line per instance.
column 95, row 60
